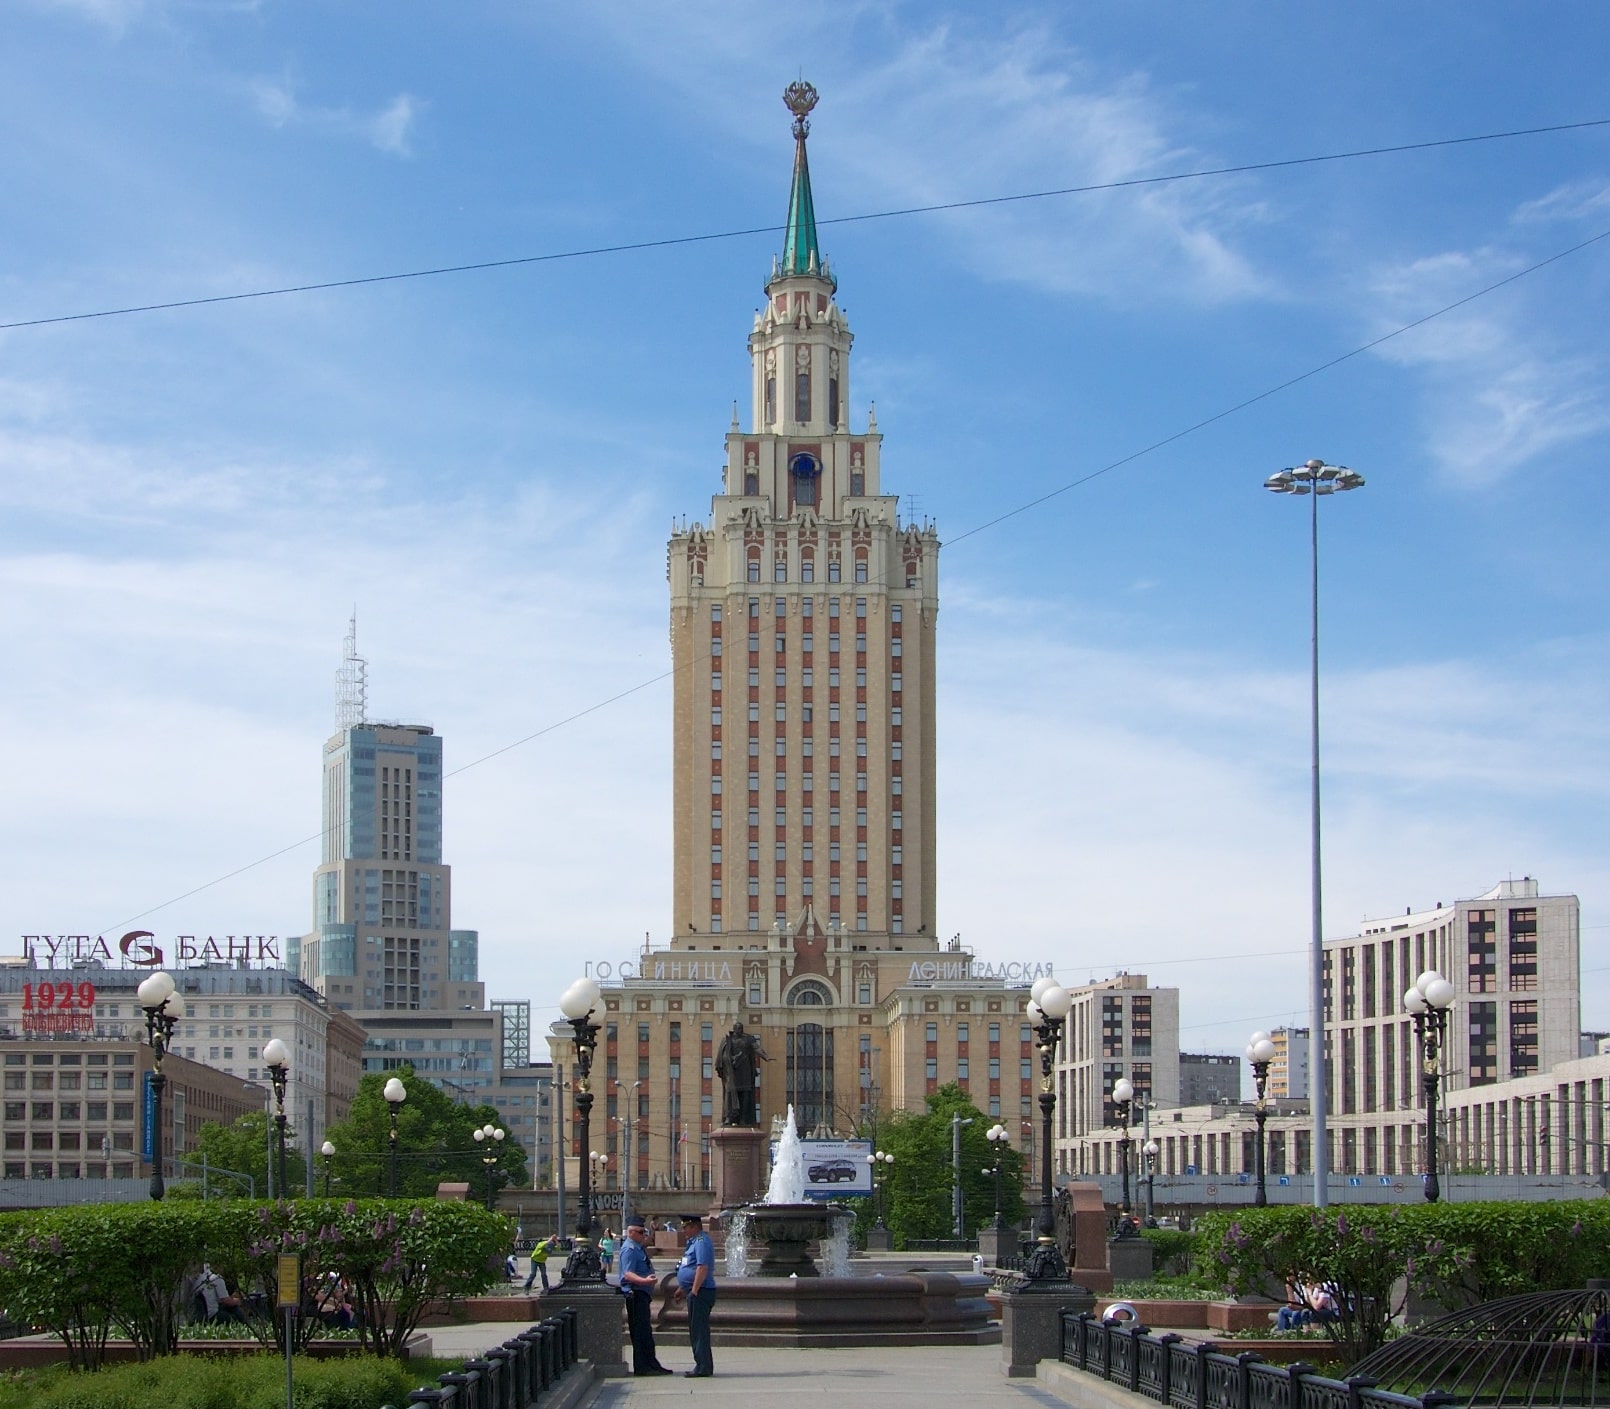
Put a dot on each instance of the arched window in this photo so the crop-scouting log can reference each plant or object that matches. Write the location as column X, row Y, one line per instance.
column 809, row 993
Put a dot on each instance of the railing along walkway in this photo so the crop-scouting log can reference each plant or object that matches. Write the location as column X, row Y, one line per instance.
column 1189, row 1374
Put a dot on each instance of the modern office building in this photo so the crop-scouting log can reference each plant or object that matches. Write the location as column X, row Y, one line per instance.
column 383, row 948
column 383, row 939
column 1208, row 1078
column 1516, row 1096
column 1288, row 1071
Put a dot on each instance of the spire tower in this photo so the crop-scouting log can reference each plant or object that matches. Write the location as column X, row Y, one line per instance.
column 801, row 253
column 802, row 630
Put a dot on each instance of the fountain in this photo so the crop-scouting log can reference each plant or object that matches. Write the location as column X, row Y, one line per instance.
column 788, row 1222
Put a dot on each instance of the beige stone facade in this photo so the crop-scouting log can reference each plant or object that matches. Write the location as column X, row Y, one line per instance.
column 802, row 638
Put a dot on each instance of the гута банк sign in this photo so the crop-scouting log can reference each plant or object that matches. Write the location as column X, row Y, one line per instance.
column 138, row 949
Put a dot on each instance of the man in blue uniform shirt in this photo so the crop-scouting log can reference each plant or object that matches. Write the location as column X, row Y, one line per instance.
column 637, row 1285
column 696, row 1284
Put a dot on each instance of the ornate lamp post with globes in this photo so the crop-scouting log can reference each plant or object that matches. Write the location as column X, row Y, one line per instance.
column 395, row 1093
column 1260, row 1052
column 996, row 1135
column 1150, row 1150
column 328, row 1151
column 578, row 1003
column 1032, row 1311
column 1123, row 1097
column 163, row 1008
column 490, row 1138
column 1428, row 1003
column 1048, row 1007
column 277, row 1057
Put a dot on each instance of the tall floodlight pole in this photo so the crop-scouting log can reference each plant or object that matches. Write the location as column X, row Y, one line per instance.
column 1315, row 477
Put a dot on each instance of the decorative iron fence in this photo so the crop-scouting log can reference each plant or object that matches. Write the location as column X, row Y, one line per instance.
column 512, row 1375
column 1197, row 1375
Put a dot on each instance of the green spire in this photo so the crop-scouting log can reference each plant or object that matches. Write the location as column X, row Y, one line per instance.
column 801, row 253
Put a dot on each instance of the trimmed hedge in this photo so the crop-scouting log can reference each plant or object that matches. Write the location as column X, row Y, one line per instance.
column 79, row 1272
column 1372, row 1255
column 218, row 1382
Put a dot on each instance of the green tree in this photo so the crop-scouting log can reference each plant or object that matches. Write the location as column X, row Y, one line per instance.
column 917, row 1195
column 243, row 1149
column 435, row 1143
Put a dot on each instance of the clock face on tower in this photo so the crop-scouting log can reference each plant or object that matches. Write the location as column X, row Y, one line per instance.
column 804, row 465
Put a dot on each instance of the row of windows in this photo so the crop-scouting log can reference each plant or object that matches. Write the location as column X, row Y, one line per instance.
column 68, row 1110
column 807, row 853
column 807, row 607
column 807, row 818
column 69, row 1081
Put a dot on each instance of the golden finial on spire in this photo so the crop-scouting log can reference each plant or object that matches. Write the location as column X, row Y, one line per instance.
column 800, row 98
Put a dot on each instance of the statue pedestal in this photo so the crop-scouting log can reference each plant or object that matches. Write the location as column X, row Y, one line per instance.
column 737, row 1164
column 1089, row 1217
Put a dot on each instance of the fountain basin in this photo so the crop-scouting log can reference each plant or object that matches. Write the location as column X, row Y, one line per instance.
column 910, row 1308
column 787, row 1230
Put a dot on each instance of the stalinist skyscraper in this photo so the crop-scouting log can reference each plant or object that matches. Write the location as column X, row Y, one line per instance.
column 802, row 631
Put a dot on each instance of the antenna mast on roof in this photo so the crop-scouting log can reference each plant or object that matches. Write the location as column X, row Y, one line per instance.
column 351, row 683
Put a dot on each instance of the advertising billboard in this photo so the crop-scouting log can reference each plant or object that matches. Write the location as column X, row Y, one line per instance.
column 836, row 1169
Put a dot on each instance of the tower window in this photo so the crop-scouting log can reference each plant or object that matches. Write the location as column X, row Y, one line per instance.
column 751, row 479
column 833, row 402
column 802, row 397
column 771, row 399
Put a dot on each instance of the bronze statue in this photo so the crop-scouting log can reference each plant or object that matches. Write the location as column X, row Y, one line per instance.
column 738, row 1066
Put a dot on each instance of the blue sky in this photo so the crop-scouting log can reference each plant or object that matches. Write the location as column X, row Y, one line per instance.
column 487, row 463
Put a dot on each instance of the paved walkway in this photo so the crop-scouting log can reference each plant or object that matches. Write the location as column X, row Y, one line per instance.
column 896, row 1377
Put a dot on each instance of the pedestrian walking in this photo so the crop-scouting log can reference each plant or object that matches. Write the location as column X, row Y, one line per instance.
column 696, row 1284
column 606, row 1250
column 539, row 1261
column 637, row 1285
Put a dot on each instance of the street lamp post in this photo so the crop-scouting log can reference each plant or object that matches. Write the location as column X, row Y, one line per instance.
column 395, row 1093
column 958, row 1212
column 1428, row 1002
column 1048, row 1008
column 1260, row 1052
column 626, row 1154
column 996, row 1135
column 1123, row 1097
column 1316, row 478
column 490, row 1138
column 880, row 1160
column 277, row 1057
column 328, row 1151
column 578, row 1003
column 1150, row 1149
column 163, row 1008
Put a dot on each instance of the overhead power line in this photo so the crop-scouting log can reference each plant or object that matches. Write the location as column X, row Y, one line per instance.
column 1035, row 503
column 672, row 241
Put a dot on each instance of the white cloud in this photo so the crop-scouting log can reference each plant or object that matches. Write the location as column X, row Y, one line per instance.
column 1576, row 200
column 1499, row 392
column 1124, row 809
column 388, row 130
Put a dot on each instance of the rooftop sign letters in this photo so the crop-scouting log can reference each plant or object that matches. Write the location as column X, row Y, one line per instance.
column 137, row 949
